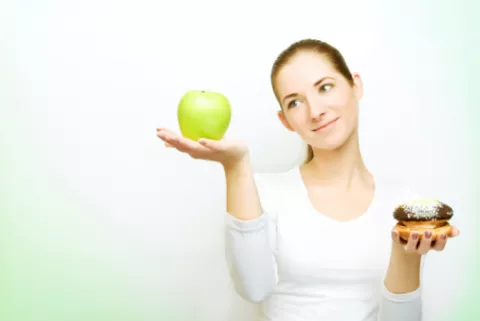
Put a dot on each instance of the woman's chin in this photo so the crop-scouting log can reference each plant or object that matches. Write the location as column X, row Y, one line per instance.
column 330, row 143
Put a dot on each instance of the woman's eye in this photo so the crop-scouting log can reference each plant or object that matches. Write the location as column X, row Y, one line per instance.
column 326, row 87
column 292, row 103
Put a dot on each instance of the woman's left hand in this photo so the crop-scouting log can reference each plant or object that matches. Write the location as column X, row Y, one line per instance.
column 421, row 245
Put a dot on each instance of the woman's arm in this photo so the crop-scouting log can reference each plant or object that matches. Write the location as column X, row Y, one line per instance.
column 403, row 273
column 250, row 232
column 401, row 291
column 401, row 298
column 243, row 202
column 249, row 235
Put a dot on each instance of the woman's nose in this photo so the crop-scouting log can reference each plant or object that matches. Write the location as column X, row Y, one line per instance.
column 317, row 110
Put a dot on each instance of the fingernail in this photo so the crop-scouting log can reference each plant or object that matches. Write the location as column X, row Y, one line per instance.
column 428, row 234
column 443, row 236
column 394, row 234
column 415, row 235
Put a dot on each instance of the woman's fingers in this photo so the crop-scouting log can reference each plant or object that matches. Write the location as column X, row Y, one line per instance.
column 222, row 150
column 213, row 145
column 412, row 243
column 163, row 134
column 182, row 144
column 421, row 244
column 442, row 239
column 396, row 237
column 454, row 232
column 425, row 243
column 440, row 242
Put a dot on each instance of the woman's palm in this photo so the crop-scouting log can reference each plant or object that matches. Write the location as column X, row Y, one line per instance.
column 224, row 151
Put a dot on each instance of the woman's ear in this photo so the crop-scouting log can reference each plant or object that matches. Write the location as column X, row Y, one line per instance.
column 283, row 119
column 357, row 86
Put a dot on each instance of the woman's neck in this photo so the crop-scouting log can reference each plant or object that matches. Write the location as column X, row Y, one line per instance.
column 342, row 167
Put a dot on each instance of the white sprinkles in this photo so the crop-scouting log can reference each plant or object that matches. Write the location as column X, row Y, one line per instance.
column 422, row 209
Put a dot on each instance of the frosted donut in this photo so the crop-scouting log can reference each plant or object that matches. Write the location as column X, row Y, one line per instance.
column 421, row 216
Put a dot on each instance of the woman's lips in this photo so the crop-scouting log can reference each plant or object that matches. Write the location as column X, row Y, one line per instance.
column 326, row 126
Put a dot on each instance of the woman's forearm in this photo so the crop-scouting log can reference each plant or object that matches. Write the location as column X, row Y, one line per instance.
column 401, row 299
column 243, row 202
column 403, row 274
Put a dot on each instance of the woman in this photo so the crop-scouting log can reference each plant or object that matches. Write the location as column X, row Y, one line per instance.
column 313, row 243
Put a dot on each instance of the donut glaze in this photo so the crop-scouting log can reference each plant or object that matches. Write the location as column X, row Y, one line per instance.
column 422, row 215
column 423, row 210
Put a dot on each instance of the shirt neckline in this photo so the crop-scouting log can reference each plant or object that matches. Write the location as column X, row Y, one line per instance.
column 306, row 199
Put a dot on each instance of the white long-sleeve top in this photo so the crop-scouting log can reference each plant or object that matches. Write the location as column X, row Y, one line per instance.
column 300, row 265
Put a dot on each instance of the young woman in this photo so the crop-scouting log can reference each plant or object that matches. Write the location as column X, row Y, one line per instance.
column 315, row 242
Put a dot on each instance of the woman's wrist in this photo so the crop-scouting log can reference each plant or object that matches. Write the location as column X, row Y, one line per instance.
column 236, row 165
column 398, row 251
column 403, row 274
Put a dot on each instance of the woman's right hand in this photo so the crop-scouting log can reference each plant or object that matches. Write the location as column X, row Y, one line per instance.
column 224, row 151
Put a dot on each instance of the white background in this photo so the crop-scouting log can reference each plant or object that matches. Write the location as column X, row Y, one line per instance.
column 87, row 83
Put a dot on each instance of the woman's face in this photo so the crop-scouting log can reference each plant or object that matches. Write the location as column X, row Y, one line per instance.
column 317, row 101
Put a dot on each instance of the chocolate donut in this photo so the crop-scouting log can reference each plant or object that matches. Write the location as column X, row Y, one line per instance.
column 423, row 215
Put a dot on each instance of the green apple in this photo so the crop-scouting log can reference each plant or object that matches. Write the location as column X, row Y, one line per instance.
column 204, row 114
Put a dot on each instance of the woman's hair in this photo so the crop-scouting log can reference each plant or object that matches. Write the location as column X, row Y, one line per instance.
column 331, row 53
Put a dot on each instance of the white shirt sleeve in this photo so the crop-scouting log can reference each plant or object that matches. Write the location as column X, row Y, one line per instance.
column 250, row 256
column 408, row 306
column 400, row 307
column 250, row 247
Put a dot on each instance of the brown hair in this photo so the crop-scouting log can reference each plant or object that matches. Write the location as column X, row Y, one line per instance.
column 331, row 53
